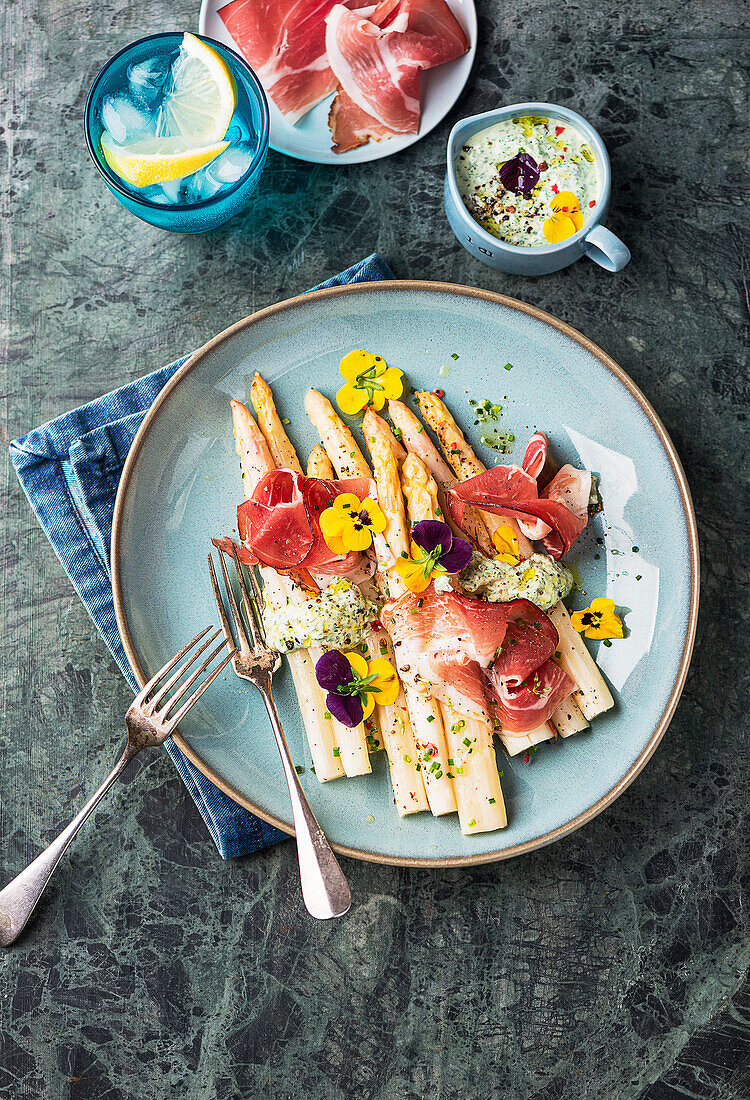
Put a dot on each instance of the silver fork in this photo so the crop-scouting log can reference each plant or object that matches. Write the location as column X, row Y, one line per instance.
column 148, row 723
column 324, row 887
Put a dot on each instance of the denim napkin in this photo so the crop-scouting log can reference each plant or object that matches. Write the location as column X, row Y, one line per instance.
column 70, row 470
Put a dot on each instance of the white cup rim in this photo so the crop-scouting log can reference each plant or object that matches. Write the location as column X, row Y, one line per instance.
column 496, row 115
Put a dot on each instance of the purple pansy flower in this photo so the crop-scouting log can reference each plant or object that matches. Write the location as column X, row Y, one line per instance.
column 333, row 673
column 436, row 538
column 520, row 174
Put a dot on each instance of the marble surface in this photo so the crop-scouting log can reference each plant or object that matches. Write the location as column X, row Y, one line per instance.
column 609, row 966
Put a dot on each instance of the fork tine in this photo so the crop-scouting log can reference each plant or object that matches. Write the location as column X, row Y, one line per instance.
column 151, row 704
column 170, row 664
column 256, row 590
column 250, row 612
column 198, row 692
column 239, row 625
column 161, row 715
column 219, row 601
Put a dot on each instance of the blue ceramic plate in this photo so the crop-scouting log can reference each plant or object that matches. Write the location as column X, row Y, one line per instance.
column 181, row 485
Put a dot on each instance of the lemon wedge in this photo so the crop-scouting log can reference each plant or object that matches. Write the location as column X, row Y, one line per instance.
column 150, row 160
column 200, row 96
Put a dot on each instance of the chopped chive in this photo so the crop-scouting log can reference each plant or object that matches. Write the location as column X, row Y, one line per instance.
column 327, row 714
column 472, row 823
column 467, row 740
column 407, row 759
column 299, row 770
column 286, row 420
column 450, row 761
column 607, row 642
column 508, row 366
column 337, row 752
column 434, row 766
column 430, row 717
column 492, row 801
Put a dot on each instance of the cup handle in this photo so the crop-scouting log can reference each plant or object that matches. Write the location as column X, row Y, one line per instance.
column 605, row 249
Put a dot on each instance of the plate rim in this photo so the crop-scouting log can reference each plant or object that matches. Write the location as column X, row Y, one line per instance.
column 379, row 150
column 399, row 285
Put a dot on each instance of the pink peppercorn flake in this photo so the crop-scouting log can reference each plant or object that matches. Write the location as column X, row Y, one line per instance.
column 592, row 203
column 559, row 130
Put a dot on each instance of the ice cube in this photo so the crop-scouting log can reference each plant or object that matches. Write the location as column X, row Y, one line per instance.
column 173, row 191
column 231, row 165
column 201, row 186
column 124, row 119
column 146, row 79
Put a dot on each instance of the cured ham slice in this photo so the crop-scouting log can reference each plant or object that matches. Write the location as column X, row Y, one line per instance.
column 281, row 522
column 284, row 42
column 466, row 648
column 377, row 58
column 351, row 127
column 535, row 455
column 511, row 491
column 523, row 705
column 572, row 488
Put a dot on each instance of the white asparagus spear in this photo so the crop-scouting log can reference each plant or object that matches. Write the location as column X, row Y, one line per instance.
column 463, row 461
column 319, row 464
column 476, row 782
column 255, row 461
column 394, row 721
column 425, row 713
column 269, row 422
column 593, row 696
column 351, row 741
column 568, row 718
column 418, row 442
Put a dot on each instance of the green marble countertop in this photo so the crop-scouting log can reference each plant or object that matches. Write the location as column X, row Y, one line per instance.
column 607, row 967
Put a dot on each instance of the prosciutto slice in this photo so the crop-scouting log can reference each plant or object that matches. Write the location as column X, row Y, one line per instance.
column 284, row 42
column 281, row 522
column 377, row 57
column 467, row 649
column 511, row 491
column 351, row 127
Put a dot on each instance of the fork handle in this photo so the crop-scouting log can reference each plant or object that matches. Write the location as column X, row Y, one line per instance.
column 19, row 898
column 324, row 888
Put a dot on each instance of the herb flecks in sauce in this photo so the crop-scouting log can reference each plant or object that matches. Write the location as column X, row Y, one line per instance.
column 565, row 164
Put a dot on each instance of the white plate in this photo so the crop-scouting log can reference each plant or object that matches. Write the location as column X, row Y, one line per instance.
column 310, row 139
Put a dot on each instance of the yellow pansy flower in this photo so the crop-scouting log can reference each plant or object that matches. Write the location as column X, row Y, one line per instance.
column 376, row 681
column 349, row 523
column 505, row 541
column 418, row 570
column 369, row 382
column 566, row 217
column 599, row 620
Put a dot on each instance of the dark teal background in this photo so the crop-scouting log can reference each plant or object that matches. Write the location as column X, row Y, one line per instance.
column 608, row 967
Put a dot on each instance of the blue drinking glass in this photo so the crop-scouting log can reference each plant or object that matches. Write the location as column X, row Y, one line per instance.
column 249, row 125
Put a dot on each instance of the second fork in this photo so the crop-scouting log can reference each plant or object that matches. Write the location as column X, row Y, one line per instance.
column 324, row 888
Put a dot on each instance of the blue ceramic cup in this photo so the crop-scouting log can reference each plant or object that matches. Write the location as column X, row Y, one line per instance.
column 593, row 239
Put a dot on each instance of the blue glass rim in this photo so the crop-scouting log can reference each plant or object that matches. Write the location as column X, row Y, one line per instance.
column 255, row 86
